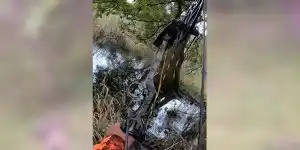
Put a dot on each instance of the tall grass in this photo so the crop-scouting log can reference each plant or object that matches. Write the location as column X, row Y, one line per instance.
column 108, row 28
column 109, row 109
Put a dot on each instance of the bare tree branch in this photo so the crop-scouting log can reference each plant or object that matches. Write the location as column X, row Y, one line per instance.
column 142, row 20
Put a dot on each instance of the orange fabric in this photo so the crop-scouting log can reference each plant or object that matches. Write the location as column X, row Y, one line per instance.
column 112, row 142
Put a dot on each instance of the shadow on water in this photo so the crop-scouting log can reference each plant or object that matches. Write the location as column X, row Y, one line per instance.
column 119, row 69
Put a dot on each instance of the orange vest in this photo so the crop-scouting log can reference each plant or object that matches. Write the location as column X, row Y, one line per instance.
column 111, row 142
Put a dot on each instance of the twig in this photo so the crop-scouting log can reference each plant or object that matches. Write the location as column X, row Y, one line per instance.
column 173, row 145
column 135, row 19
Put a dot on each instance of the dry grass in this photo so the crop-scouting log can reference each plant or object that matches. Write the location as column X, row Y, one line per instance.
column 107, row 110
column 107, row 29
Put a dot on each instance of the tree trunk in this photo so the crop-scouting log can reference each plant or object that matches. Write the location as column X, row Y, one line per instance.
column 171, row 67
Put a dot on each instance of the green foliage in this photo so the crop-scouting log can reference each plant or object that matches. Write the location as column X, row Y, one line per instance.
column 143, row 18
column 146, row 18
column 194, row 56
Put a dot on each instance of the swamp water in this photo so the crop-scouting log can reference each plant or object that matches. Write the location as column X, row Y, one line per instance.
column 174, row 118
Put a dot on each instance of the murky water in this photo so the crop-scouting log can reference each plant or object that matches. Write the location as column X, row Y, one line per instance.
column 174, row 118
